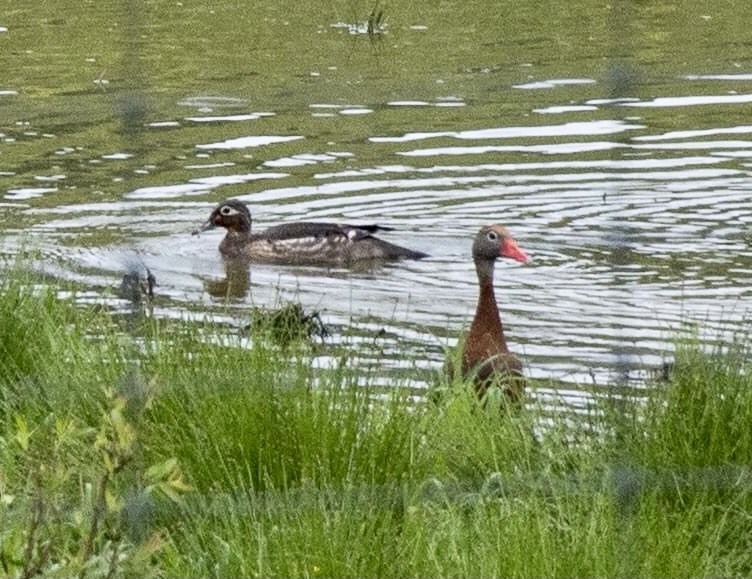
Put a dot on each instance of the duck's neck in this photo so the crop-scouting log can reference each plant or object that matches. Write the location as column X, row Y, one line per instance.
column 487, row 319
column 244, row 226
column 240, row 231
column 235, row 238
column 238, row 236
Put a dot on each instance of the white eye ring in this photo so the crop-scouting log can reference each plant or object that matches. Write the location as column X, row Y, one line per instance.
column 227, row 210
column 492, row 236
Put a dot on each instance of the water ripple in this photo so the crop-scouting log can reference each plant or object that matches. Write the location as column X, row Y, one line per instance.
column 632, row 240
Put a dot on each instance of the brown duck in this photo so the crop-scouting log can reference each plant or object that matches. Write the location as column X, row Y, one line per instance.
column 486, row 356
column 303, row 242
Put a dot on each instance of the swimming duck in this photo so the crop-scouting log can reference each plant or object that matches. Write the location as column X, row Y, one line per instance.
column 486, row 356
column 301, row 243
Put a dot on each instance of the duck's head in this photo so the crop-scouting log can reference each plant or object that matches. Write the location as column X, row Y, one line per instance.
column 494, row 241
column 233, row 215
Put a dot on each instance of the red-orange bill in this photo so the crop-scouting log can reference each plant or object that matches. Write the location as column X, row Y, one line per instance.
column 510, row 249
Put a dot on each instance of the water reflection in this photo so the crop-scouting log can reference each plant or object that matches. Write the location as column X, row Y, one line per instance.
column 235, row 285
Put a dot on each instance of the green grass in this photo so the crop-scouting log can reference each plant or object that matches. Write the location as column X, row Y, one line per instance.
column 178, row 449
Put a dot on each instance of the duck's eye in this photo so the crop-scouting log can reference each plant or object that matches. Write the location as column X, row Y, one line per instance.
column 492, row 236
column 227, row 210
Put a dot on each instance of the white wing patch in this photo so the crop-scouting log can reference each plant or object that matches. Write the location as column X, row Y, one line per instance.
column 310, row 248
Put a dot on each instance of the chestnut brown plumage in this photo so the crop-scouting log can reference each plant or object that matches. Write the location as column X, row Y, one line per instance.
column 486, row 356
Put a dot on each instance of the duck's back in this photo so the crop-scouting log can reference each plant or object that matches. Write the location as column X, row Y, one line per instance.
column 309, row 242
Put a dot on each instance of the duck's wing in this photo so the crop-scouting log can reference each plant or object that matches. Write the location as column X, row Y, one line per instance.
column 325, row 242
column 289, row 231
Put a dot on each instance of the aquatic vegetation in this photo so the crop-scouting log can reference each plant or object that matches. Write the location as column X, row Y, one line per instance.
column 376, row 23
column 286, row 324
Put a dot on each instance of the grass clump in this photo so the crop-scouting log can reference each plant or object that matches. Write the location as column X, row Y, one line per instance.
column 37, row 337
column 70, row 467
column 701, row 419
column 189, row 452
column 286, row 325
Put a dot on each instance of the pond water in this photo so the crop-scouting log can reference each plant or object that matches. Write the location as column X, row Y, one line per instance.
column 618, row 156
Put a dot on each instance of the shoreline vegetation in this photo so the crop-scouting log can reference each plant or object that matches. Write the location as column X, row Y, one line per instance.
column 171, row 448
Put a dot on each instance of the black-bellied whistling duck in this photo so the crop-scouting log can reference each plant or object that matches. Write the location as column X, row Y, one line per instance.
column 486, row 356
column 301, row 243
